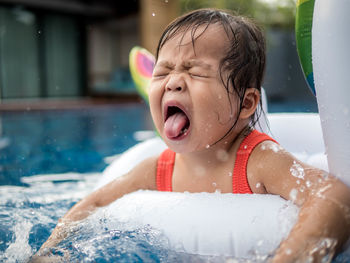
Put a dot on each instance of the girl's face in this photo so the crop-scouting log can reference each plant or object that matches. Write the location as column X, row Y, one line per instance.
column 189, row 104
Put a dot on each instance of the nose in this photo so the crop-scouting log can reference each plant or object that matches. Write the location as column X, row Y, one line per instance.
column 175, row 83
column 173, row 88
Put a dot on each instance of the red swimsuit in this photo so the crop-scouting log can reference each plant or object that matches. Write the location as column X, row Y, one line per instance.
column 240, row 184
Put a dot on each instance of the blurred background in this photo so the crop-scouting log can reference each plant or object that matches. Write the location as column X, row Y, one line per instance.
column 64, row 52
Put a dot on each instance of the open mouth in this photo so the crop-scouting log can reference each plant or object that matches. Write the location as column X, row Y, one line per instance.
column 176, row 123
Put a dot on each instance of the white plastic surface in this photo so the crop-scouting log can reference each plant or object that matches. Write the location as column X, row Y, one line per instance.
column 331, row 65
column 210, row 224
column 297, row 132
column 131, row 158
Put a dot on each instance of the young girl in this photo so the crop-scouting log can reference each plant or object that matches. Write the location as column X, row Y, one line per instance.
column 204, row 95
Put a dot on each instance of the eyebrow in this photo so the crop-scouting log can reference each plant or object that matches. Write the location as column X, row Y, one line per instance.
column 165, row 64
column 199, row 63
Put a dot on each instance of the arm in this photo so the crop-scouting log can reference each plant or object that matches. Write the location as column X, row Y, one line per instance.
column 141, row 177
column 323, row 224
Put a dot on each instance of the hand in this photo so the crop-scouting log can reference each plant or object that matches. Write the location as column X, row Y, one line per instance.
column 50, row 255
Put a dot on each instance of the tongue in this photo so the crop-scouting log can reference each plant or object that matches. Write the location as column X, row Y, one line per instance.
column 175, row 124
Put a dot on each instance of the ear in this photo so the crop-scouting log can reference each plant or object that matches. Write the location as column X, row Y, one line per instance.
column 250, row 103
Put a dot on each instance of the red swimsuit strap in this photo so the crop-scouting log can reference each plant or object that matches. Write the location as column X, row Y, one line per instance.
column 240, row 183
column 165, row 169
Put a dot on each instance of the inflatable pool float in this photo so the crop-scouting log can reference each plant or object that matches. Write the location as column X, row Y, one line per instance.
column 331, row 58
column 246, row 225
column 218, row 224
column 323, row 35
column 303, row 35
column 141, row 66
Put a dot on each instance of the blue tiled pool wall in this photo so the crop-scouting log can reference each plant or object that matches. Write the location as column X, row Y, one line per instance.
column 46, row 142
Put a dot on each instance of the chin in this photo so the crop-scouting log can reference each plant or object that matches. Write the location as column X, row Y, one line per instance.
column 178, row 146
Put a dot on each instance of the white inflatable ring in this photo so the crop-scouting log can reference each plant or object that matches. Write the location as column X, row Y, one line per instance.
column 218, row 224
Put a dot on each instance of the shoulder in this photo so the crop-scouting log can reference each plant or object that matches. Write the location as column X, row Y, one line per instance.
column 276, row 171
column 143, row 176
column 267, row 161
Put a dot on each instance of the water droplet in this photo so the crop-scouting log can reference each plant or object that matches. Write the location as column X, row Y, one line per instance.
column 245, row 147
column 275, row 147
column 293, row 194
column 230, row 174
column 222, row 155
column 258, row 185
column 308, row 183
column 207, row 146
column 153, row 14
column 214, row 184
column 297, row 171
column 199, row 170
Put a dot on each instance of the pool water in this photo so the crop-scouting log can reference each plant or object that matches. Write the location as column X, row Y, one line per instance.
column 46, row 142
column 50, row 160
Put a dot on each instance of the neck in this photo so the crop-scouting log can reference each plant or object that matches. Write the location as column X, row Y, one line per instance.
column 214, row 155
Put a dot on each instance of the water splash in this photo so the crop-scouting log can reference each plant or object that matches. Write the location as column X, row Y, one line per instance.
column 222, row 155
column 293, row 194
column 297, row 170
column 19, row 250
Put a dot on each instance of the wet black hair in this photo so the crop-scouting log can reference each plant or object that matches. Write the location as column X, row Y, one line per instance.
column 244, row 62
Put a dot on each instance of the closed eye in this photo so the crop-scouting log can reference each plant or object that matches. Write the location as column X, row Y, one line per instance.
column 162, row 69
column 160, row 74
column 198, row 75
